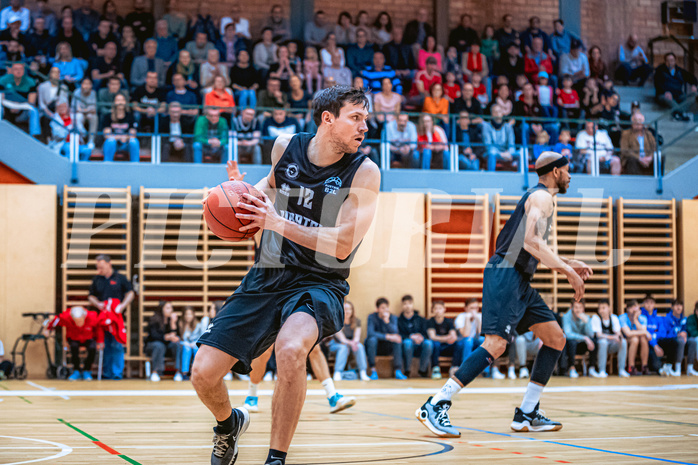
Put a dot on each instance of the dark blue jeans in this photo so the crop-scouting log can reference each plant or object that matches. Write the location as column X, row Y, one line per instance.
column 375, row 346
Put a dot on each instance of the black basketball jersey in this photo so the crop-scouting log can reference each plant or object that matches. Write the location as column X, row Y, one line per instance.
column 312, row 196
column 510, row 241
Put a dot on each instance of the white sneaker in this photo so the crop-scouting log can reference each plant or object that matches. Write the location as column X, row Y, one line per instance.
column 603, row 374
column 268, row 376
column 675, row 373
column 154, row 377
column 309, row 377
column 228, row 377
column 691, row 371
column 523, row 373
column 573, row 373
column 593, row 373
column 512, row 373
column 364, row 376
column 496, row 374
column 243, row 377
column 337, row 376
column 623, row 374
column 178, row 376
column 665, row 370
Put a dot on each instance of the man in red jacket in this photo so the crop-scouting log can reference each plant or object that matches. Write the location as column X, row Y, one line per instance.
column 82, row 329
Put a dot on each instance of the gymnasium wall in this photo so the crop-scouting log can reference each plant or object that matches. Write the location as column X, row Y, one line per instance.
column 688, row 253
column 28, row 223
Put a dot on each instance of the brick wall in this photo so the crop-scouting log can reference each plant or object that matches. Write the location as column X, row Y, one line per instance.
column 401, row 11
column 487, row 11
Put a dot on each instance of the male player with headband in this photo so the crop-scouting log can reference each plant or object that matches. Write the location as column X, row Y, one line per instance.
column 509, row 303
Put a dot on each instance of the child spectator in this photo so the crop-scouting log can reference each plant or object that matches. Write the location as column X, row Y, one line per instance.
column 191, row 330
column 608, row 338
column 480, row 90
column 692, row 330
column 349, row 340
column 633, row 325
column 542, row 144
column 672, row 338
column 575, row 324
column 564, row 148
column 568, row 100
column 162, row 339
column 521, row 81
column 451, row 87
column 442, row 333
column 452, row 64
column 649, row 311
column 415, row 341
column 545, row 95
column 489, row 46
column 383, row 338
column 311, row 70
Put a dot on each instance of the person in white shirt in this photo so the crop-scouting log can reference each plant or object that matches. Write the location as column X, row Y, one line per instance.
column 592, row 140
column 468, row 326
column 526, row 344
column 242, row 25
column 608, row 339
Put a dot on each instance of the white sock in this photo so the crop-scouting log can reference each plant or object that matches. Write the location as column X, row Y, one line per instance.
column 677, row 367
column 450, row 389
column 531, row 397
column 252, row 390
column 328, row 385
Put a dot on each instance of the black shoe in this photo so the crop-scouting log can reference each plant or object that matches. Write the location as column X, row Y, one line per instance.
column 533, row 422
column 225, row 446
column 424, row 374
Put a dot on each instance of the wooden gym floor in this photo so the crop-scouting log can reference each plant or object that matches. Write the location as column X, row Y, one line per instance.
column 641, row 420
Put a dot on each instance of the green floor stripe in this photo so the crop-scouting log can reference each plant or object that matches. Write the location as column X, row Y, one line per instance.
column 91, row 438
column 4, row 387
column 25, row 400
column 129, row 460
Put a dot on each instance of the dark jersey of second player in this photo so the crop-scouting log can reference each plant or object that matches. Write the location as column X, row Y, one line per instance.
column 510, row 241
column 312, row 196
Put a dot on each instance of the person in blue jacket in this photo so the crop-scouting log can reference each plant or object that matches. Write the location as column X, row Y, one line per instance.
column 649, row 311
column 671, row 337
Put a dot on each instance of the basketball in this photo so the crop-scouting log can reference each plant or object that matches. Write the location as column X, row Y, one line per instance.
column 221, row 208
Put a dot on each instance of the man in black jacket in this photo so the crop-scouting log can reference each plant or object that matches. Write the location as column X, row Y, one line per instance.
column 413, row 330
column 673, row 84
column 417, row 30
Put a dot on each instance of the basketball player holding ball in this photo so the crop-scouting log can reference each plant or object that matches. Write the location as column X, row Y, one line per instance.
column 320, row 199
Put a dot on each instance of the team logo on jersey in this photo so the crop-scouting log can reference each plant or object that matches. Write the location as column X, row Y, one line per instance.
column 292, row 171
column 332, row 185
column 208, row 330
column 285, row 190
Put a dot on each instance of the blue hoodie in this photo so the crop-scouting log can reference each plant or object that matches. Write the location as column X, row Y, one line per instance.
column 653, row 323
column 670, row 326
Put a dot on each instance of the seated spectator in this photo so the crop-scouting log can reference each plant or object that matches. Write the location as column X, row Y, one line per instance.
column 383, row 338
column 187, row 68
column 163, row 339
column 653, row 322
column 71, row 69
column 13, row 32
column 463, row 36
column 300, row 100
column 38, row 44
column 401, row 134
column 381, row 32
column 311, row 70
column 362, row 21
column 199, row 47
column 282, row 69
column 106, row 66
column 423, row 81
column 511, row 64
column 242, row 25
column 575, row 64
column 498, row 137
column 468, row 326
column 265, row 52
column 84, row 107
column 451, row 88
column 190, row 331
column 210, row 137
column 49, row 91
column 413, row 331
column 106, row 95
column 272, row 96
column 175, row 146
column 100, row 37
column 204, row 23
column 475, row 62
column 436, row 103
column 330, row 51
column 349, row 340
column 359, row 55
column 564, row 148
column 119, row 127
column 374, row 75
column 15, row 10
column 432, row 142
column 129, row 49
column 575, row 324
column 468, row 103
column 316, row 30
column 489, row 46
column 536, row 61
column 67, row 33
column 417, row 30
column 386, row 103
column 633, row 62
column 140, row 20
column 249, row 133
column 20, row 97
column 42, row 11
column 534, row 32
column 503, row 99
column 633, row 325
column 591, row 99
column 671, row 337
column 692, row 333
column 637, row 148
column 442, row 333
column 279, row 123
column 672, row 85
column 526, row 344
column 469, row 140
column 245, row 81
column 148, row 101
column 279, row 24
column 340, row 74
column 430, row 49
column 568, row 101
column 399, row 56
column 110, row 12
column 507, row 35
column 561, row 39
column 177, row 22
column 593, row 143
column 145, row 63
column 211, row 69
column 228, row 45
column 597, row 65
column 82, row 330
column 452, row 64
column 184, row 97
column 62, row 129
column 608, row 338
column 344, row 30
column 167, row 44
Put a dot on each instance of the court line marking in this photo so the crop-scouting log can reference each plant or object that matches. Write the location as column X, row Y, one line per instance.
column 40, row 448
column 359, row 444
column 647, row 405
column 320, row 392
column 582, row 439
column 99, row 443
column 45, row 389
column 65, row 450
column 628, row 417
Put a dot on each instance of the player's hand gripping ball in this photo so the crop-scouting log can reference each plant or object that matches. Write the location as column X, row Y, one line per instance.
column 220, row 208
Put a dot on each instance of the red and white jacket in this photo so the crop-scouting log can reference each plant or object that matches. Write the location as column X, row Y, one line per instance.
column 92, row 329
column 112, row 321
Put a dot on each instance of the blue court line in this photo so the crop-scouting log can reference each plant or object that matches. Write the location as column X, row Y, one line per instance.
column 544, row 441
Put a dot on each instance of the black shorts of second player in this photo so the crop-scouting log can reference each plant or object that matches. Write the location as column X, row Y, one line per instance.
column 509, row 303
column 250, row 320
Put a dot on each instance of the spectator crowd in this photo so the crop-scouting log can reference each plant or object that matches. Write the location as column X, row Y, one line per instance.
column 111, row 79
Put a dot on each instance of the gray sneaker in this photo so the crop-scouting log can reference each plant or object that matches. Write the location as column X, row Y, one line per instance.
column 225, row 446
column 435, row 419
column 535, row 421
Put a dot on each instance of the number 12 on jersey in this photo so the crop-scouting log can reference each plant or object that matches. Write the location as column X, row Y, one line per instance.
column 305, row 197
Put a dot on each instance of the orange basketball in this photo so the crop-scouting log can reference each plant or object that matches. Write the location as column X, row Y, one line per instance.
column 221, row 207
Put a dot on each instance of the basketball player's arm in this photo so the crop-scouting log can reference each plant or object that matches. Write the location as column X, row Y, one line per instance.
column 539, row 207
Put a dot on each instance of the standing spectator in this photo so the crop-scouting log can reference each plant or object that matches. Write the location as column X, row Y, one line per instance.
column 340, row 74
column 575, row 324
column 20, row 97
column 381, row 32
column 359, row 55
column 692, row 330
column 249, row 133
column 119, row 128
column 373, row 76
column 213, row 68
column 330, row 50
column 187, row 68
column 178, row 128
column 633, row 62
column 575, row 64
column 534, row 32
column 537, row 60
column 469, row 141
column 498, row 137
column 265, row 52
column 245, row 80
column 43, row 11
column 167, row 44
column 99, row 38
column 199, row 48
column 13, row 12
column 637, row 148
column 383, row 338
column 242, row 25
column 561, row 40
column 413, row 331
column 86, row 19
column 633, row 325
column 608, row 338
column 82, row 329
column 463, row 36
column 210, row 137
column 149, row 62
column 163, row 339
column 84, row 107
column 594, row 143
column 349, row 340
column 401, row 134
column 507, row 36
column 442, row 333
column 110, row 284
column 673, row 84
column 671, row 337
column 220, row 96
column 184, row 97
column 432, row 142
column 106, row 95
column 106, row 66
column 417, row 30
column 597, row 66
column 279, row 25
column 148, row 101
column 190, row 331
column 511, row 64
column 177, row 22
column 140, row 20
column 430, row 49
column 316, row 30
column 344, row 30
